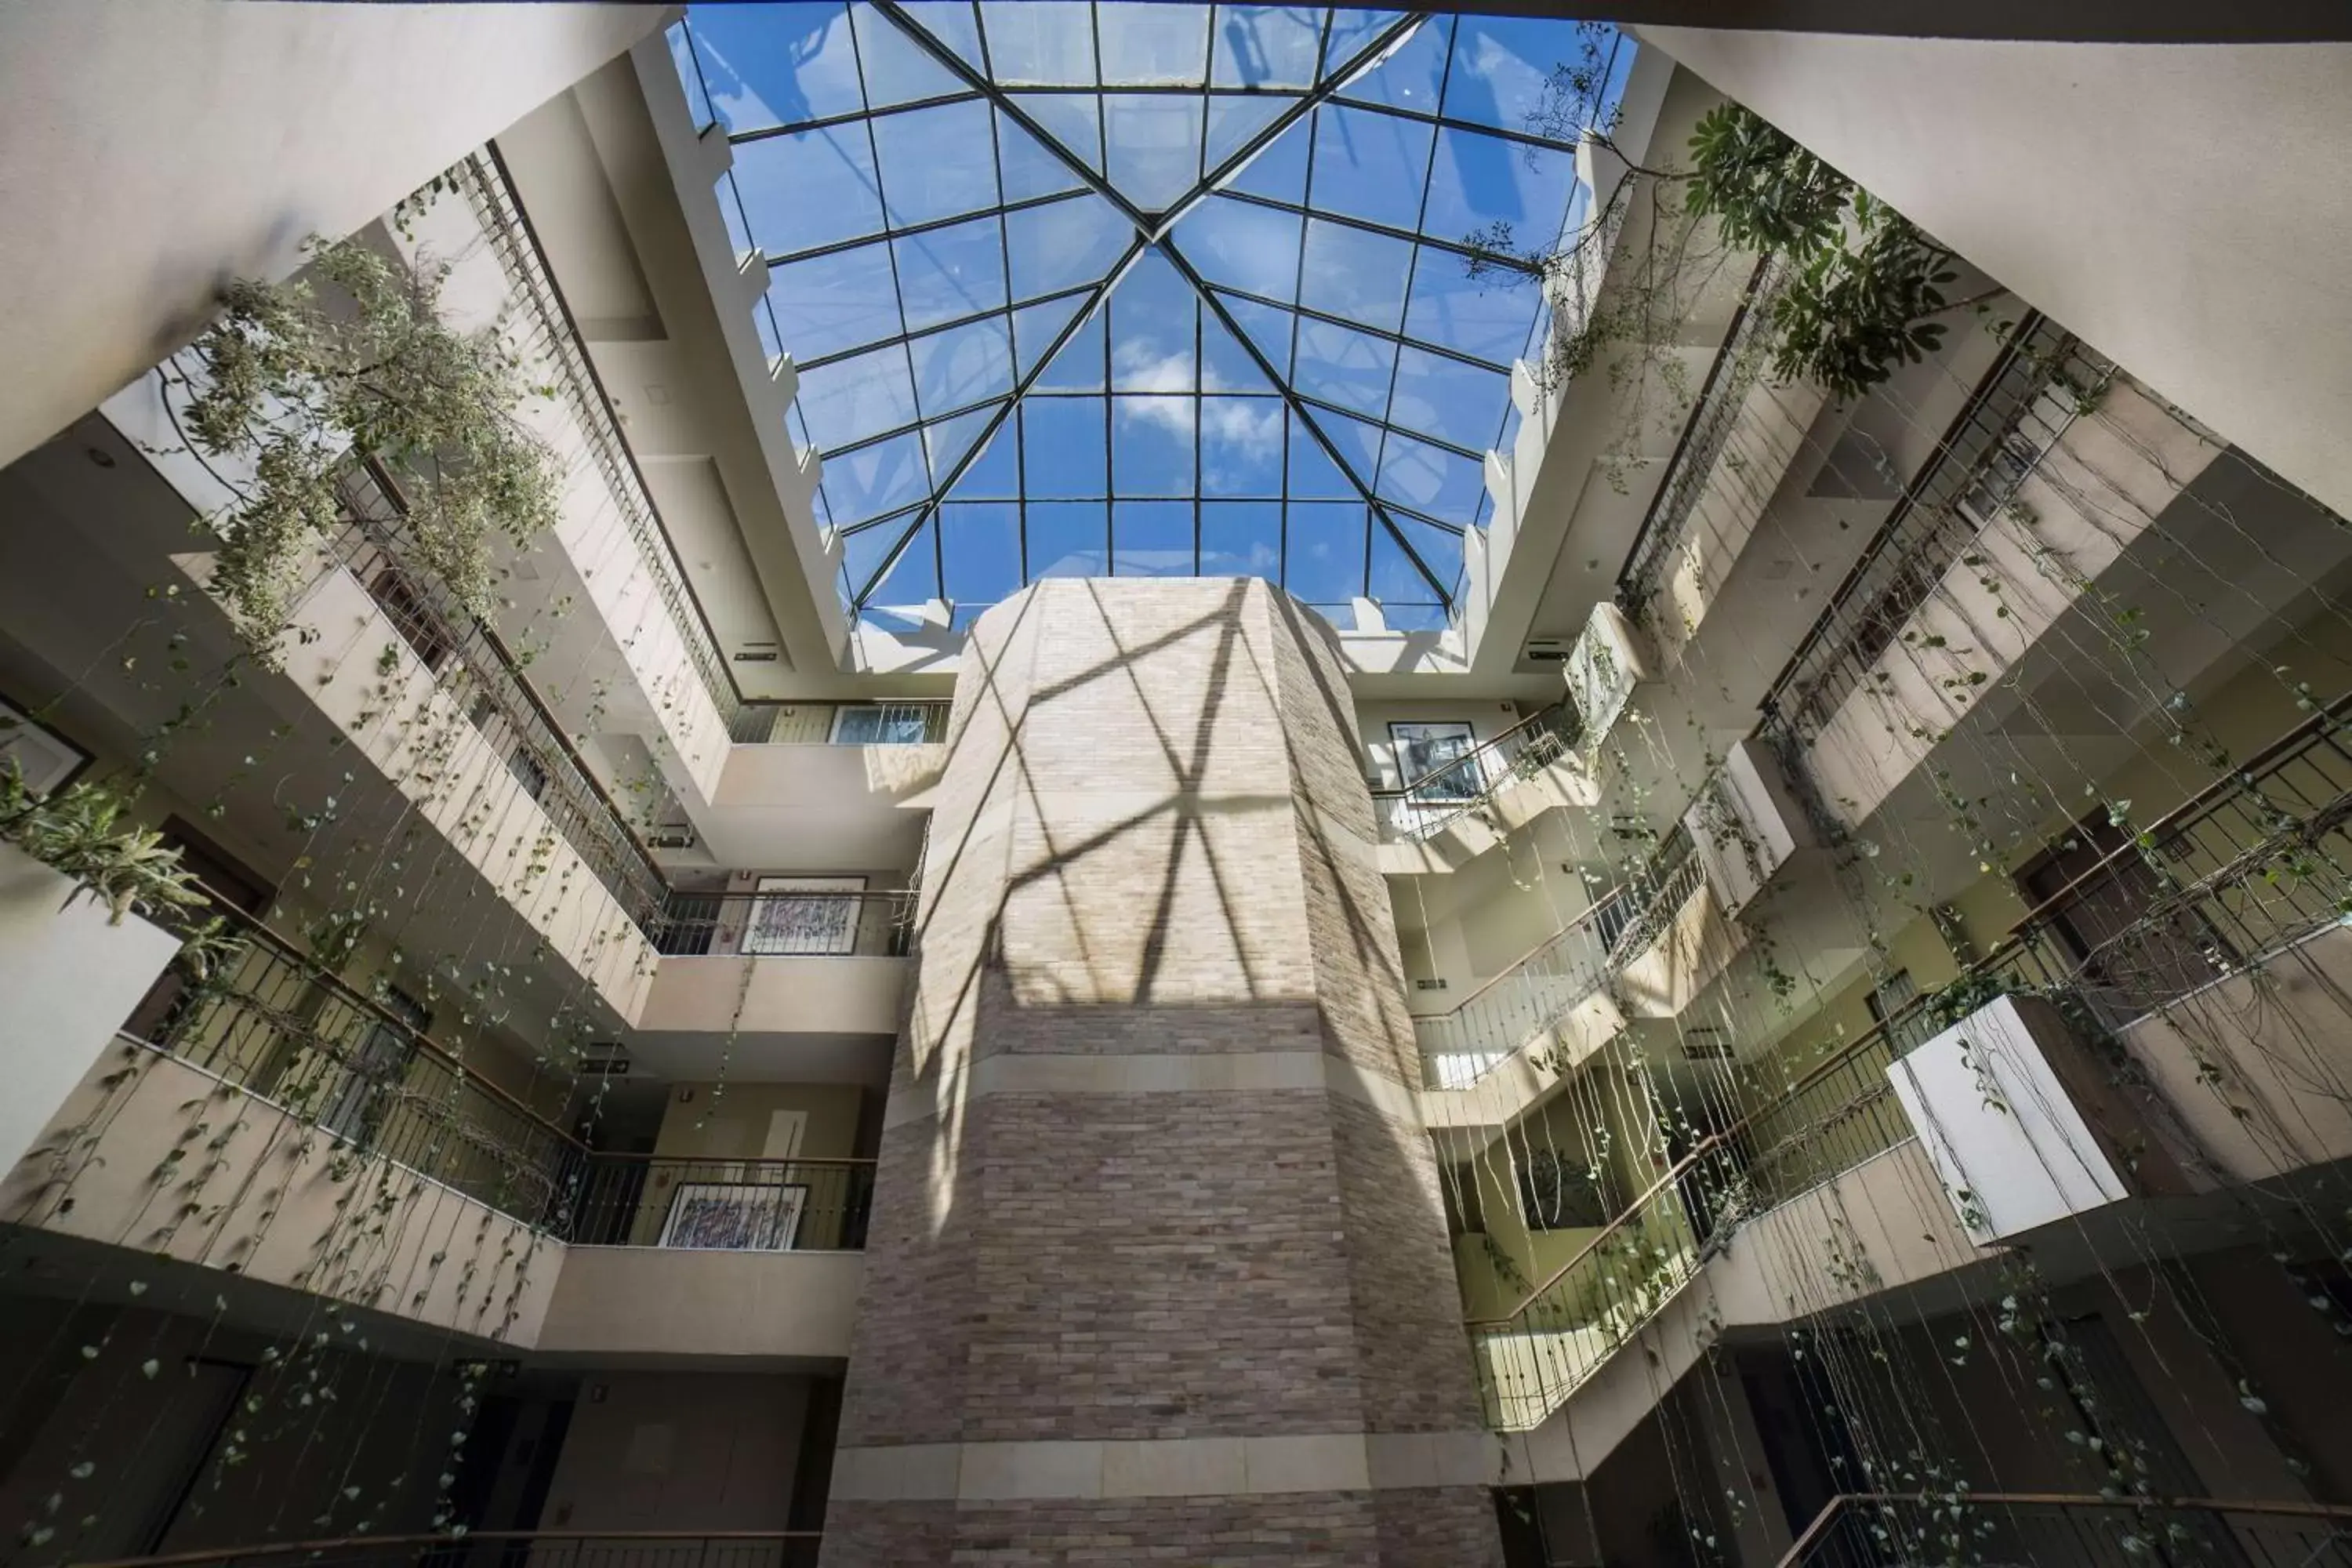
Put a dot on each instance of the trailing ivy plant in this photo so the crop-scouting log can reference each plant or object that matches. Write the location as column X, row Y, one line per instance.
column 352, row 355
column 83, row 831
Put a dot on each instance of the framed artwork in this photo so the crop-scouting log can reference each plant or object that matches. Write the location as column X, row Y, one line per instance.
column 744, row 1216
column 1424, row 750
column 47, row 759
column 880, row 724
column 803, row 915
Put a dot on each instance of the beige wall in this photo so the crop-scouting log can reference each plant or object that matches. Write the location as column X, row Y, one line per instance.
column 730, row 1121
column 692, row 1451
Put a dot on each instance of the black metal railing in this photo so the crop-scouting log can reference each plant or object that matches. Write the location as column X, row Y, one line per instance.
column 840, row 723
column 2043, row 380
column 1429, row 803
column 1736, row 367
column 508, row 1548
column 555, row 334
column 482, row 676
column 784, row 922
column 359, row 1068
column 2058, row 1529
column 754, row 1205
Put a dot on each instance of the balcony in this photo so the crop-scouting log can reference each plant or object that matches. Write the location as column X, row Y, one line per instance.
column 786, row 960
column 1472, row 799
column 276, row 1121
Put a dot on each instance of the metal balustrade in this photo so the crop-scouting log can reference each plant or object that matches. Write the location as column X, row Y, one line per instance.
column 360, row 1069
column 787, row 922
column 1737, row 368
column 2059, row 1530
column 1427, row 805
column 2245, row 869
column 364, row 1069
column 492, row 195
column 2041, row 381
column 482, row 676
column 509, row 1549
column 754, row 1205
column 840, row 723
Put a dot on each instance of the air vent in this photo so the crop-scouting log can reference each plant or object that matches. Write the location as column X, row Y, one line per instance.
column 1429, row 985
column 1706, row 1043
column 605, row 1059
column 1548, row 650
column 670, row 838
column 755, row 655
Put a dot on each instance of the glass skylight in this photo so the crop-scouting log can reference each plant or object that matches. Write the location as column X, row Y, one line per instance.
column 1139, row 289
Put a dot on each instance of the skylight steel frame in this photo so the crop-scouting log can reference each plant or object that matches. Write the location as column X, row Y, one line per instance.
column 1306, row 412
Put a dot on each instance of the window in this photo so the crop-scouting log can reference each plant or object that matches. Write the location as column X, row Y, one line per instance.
column 796, row 915
column 1435, row 760
column 1888, row 999
column 397, row 595
column 375, row 1063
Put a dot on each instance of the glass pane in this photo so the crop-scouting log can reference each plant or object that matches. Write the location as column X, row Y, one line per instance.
column 876, row 480
column 1477, row 183
column 1357, row 443
column 1339, row 364
column 962, row 365
column 1225, row 365
column 1503, row 68
column 1368, row 165
column 1065, row 446
column 1153, row 333
column 1081, row 365
column 1487, row 316
column 1152, row 446
column 1452, row 401
column 995, row 474
column 1233, row 119
column 1068, row 539
column 1278, row 172
column 1313, row 475
column 1154, row 45
column 814, row 188
column 1248, row 247
column 936, row 163
column 946, row 274
column 1412, row 76
column 979, row 551
column 852, row 399
column 1046, row 42
column 1430, row 479
column 947, row 442
column 1360, row 275
column 689, row 75
column 1266, row 45
column 1152, row 539
column 1074, row 121
column 1240, row 538
column 1323, row 558
column 1053, row 247
column 1030, row 168
column 1154, row 142
column 897, row 69
column 1035, row 329
column 914, row 577
column 836, row 302
column 777, row 65
column 1240, row 447
column 1268, row 330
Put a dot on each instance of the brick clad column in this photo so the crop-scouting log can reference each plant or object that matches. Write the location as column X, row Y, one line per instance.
column 1158, row 1262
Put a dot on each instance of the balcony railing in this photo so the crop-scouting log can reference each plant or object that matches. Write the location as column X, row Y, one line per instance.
column 786, row 923
column 510, row 1549
column 1728, row 380
column 1428, row 805
column 840, row 723
column 273, row 1022
column 482, row 676
column 2059, row 1530
column 749, row 1205
column 492, row 193
column 1460, row 1047
column 2248, row 867
column 2041, row 381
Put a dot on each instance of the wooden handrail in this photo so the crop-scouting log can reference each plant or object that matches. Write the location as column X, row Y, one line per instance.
column 1495, row 740
column 649, row 1157
column 2273, row 1508
column 378, row 1543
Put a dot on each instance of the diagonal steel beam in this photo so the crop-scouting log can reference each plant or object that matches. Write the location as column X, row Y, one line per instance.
column 1070, row 328
column 1152, row 229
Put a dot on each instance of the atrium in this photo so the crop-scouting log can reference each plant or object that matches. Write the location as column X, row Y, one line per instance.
column 910, row 784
